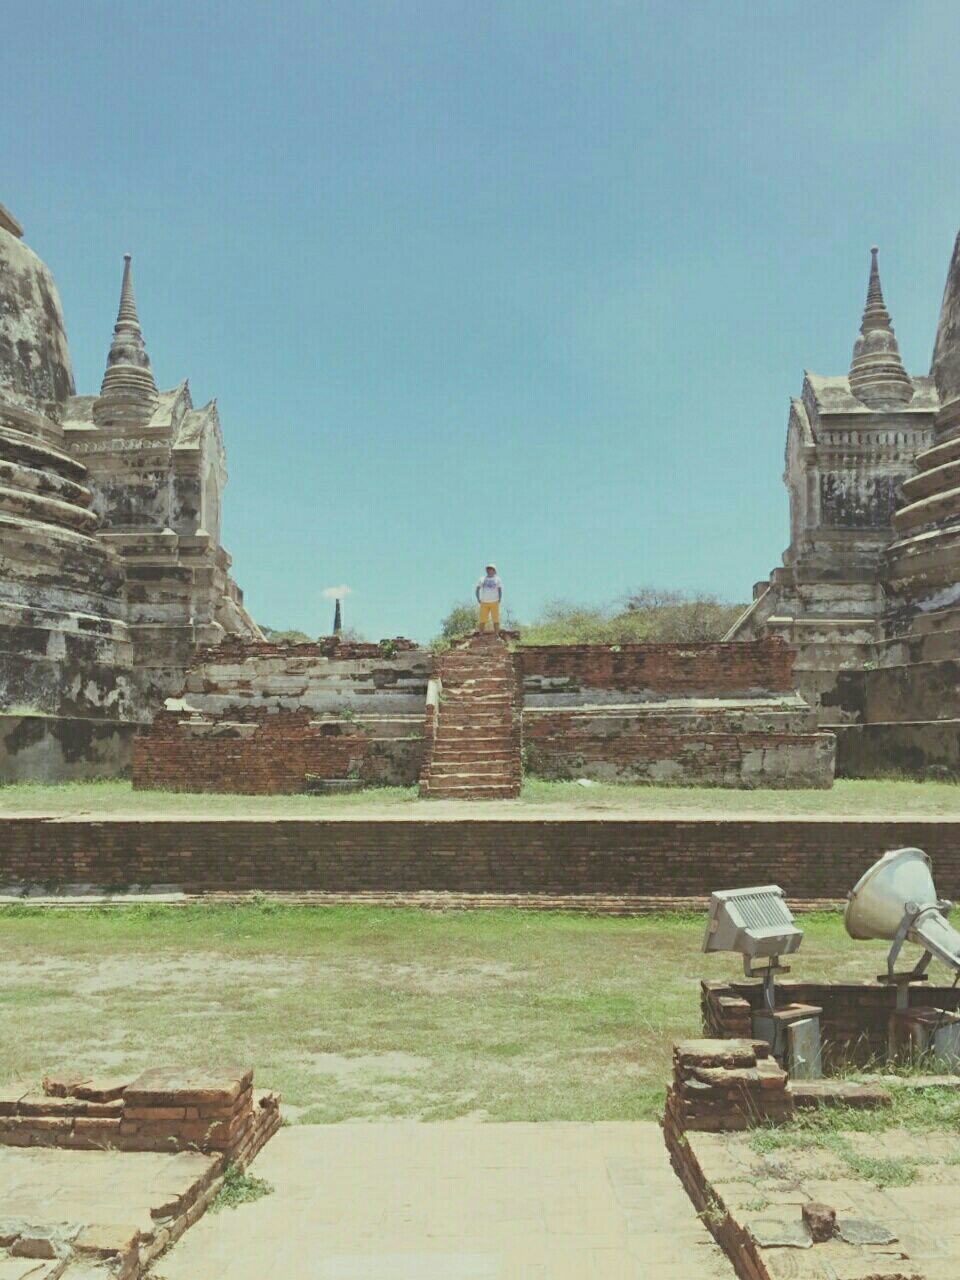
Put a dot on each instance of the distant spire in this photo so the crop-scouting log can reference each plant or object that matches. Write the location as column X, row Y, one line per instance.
column 337, row 620
column 128, row 393
column 877, row 376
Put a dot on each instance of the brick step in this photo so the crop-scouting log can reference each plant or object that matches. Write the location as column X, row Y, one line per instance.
column 483, row 679
column 502, row 728
column 475, row 753
column 477, row 686
column 487, row 702
column 488, row 735
column 472, row 768
column 470, row 751
column 470, row 793
column 451, row 707
column 457, row 731
column 463, row 693
column 506, row 675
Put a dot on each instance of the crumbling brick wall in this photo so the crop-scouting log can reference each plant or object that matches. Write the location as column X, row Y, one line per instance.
column 261, row 718
column 710, row 747
column 272, row 754
column 853, row 1025
column 265, row 719
column 710, row 669
column 726, row 1084
column 164, row 1109
column 704, row 714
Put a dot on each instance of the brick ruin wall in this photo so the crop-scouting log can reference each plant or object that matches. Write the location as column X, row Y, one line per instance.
column 164, row 1109
column 267, row 718
column 854, row 1022
column 659, row 862
column 702, row 669
column 715, row 714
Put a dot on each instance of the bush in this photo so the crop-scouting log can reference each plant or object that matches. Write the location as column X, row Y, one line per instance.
column 645, row 616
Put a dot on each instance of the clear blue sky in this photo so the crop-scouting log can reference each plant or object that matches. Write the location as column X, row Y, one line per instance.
column 473, row 278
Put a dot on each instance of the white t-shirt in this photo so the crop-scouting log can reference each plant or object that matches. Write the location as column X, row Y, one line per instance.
column 488, row 590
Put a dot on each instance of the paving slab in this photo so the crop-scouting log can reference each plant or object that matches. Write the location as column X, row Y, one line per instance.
column 457, row 1201
column 46, row 1187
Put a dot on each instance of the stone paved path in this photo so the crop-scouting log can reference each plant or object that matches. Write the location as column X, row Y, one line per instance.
column 457, row 1201
column 45, row 1186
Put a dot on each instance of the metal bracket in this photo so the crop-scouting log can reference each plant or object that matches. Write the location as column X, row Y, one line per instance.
column 768, row 971
column 903, row 980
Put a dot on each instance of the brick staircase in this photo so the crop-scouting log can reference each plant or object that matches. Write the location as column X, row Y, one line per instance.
column 473, row 728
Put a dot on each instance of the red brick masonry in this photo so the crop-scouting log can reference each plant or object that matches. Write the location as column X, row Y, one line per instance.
column 164, row 1109
column 680, row 860
column 269, row 741
column 853, row 1025
column 681, row 669
column 276, row 757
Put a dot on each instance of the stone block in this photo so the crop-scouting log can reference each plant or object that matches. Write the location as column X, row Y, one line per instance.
column 182, row 1086
column 39, row 1104
column 155, row 1114
column 716, row 1053
column 107, row 1240
column 838, row 1093
column 98, row 1130
column 41, row 1242
column 63, row 1084
column 820, row 1220
column 10, row 1096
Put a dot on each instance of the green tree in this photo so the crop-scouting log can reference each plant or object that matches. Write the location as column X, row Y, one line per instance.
column 646, row 616
column 285, row 637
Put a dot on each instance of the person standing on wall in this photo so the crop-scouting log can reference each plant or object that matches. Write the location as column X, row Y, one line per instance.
column 489, row 594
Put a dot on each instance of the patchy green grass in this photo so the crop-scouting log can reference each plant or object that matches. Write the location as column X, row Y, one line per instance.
column 367, row 1013
column 833, row 1129
column 893, row 798
column 239, row 1188
column 848, row 797
column 118, row 798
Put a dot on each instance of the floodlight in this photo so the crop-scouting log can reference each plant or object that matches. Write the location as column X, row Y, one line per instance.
column 757, row 924
column 896, row 899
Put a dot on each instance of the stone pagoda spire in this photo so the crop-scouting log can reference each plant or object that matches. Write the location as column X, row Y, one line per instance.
column 128, row 394
column 877, row 376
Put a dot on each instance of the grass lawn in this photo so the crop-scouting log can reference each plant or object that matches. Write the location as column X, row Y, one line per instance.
column 363, row 1013
column 847, row 798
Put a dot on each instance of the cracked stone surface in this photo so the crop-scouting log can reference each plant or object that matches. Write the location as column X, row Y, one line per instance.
column 884, row 1233
column 55, row 1204
column 458, row 1201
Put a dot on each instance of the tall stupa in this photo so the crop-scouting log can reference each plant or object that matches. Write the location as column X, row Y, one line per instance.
column 65, row 652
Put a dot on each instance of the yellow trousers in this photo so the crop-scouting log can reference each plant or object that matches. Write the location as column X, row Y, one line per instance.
column 490, row 612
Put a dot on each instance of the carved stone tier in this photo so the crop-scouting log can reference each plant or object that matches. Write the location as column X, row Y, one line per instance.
column 851, row 445
column 65, row 652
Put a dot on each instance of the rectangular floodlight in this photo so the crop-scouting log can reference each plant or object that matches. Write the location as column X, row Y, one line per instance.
column 751, row 922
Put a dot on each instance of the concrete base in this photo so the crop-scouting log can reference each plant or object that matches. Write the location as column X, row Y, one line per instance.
column 39, row 748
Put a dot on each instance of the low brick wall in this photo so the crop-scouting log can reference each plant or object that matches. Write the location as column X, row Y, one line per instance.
column 161, row 1110
column 814, row 861
column 725, row 1084
column 853, row 1025
column 713, row 669
column 269, row 754
column 709, row 747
